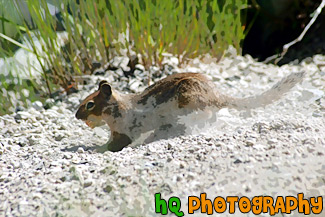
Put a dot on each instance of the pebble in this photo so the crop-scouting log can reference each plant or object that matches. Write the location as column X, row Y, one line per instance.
column 58, row 137
column 119, row 72
column 250, row 142
column 108, row 189
column 134, row 85
column 38, row 105
column 88, row 183
column 140, row 67
column 16, row 164
column 80, row 150
column 21, row 115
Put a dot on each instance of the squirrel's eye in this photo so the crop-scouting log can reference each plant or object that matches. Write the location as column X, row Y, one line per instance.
column 90, row 105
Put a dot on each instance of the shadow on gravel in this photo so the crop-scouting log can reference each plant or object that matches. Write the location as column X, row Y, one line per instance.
column 79, row 147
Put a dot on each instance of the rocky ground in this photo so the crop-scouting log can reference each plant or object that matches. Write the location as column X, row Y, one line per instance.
column 46, row 168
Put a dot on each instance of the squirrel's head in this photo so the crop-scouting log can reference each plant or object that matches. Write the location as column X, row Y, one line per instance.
column 91, row 109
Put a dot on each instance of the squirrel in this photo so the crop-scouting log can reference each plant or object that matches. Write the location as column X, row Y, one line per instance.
column 158, row 107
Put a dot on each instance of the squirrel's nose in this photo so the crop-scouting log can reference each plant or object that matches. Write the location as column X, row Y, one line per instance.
column 78, row 114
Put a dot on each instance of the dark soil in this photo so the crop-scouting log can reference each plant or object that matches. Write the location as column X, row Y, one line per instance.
column 276, row 25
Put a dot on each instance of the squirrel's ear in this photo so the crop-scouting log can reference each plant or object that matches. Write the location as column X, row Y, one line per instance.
column 105, row 88
column 100, row 83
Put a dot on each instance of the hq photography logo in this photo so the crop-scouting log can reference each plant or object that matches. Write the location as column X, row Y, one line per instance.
column 230, row 204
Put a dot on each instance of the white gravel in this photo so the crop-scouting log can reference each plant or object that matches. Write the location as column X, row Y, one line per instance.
column 279, row 150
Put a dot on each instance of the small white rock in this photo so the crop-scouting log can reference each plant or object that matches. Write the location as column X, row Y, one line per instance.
column 80, row 150
column 38, row 105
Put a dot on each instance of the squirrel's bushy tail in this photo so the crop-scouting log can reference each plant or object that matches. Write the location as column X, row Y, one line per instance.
column 268, row 96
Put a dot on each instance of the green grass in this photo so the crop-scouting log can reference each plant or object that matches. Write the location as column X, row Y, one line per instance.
column 98, row 30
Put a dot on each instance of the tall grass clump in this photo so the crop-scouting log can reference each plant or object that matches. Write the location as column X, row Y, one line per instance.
column 98, row 30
